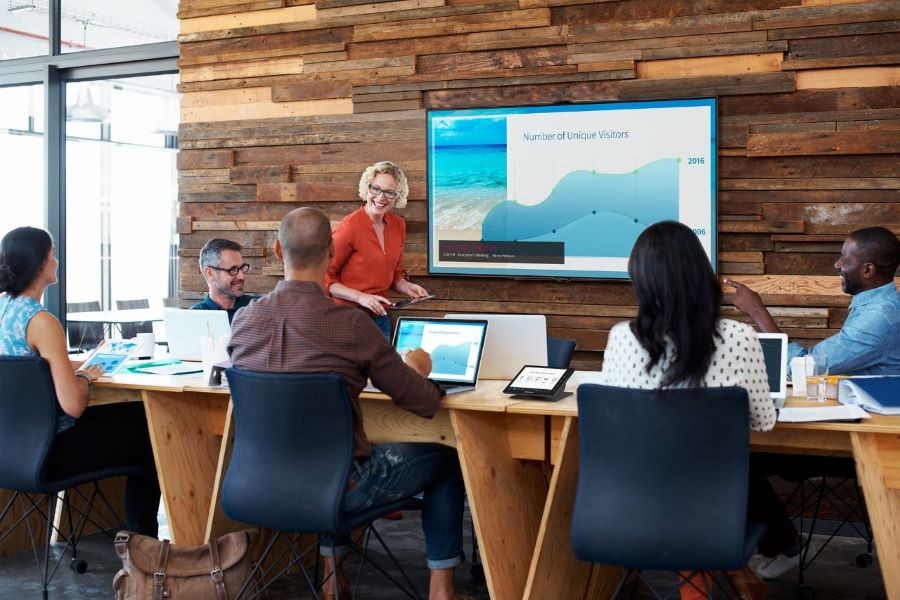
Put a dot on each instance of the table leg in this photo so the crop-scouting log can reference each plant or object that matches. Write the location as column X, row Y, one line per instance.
column 506, row 498
column 555, row 572
column 878, row 469
column 185, row 432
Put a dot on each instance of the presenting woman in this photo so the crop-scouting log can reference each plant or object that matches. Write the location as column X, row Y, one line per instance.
column 368, row 246
column 98, row 437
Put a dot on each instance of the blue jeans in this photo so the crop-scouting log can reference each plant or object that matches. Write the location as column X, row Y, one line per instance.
column 402, row 470
column 384, row 324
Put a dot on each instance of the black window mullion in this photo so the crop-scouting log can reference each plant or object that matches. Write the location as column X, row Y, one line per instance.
column 55, row 178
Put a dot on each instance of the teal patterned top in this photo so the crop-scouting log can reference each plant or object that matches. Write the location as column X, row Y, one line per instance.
column 15, row 314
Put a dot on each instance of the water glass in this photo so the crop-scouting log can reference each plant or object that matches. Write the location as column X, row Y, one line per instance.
column 816, row 377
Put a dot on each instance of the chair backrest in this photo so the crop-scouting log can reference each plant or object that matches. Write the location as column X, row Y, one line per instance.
column 559, row 352
column 293, row 447
column 28, row 420
column 663, row 475
column 130, row 330
column 84, row 336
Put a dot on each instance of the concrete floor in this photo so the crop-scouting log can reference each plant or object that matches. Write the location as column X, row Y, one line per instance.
column 834, row 575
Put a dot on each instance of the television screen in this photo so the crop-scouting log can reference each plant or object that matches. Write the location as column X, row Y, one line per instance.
column 564, row 191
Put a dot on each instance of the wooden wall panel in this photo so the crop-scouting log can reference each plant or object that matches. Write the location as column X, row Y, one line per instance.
column 287, row 101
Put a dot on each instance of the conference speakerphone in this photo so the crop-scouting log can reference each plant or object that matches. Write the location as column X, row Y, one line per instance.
column 539, row 383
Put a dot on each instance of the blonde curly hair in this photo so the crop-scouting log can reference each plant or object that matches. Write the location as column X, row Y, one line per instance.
column 391, row 169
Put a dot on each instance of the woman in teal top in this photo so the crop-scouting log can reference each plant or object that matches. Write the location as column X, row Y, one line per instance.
column 86, row 438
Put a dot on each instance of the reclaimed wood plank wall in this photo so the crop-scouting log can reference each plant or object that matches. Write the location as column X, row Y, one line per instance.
column 286, row 101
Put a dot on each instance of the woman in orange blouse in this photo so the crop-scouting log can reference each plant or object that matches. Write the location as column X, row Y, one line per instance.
column 368, row 246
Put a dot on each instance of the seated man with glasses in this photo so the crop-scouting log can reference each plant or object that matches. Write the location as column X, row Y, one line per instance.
column 224, row 270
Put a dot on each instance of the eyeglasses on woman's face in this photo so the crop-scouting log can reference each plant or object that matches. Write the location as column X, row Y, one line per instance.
column 233, row 271
column 375, row 191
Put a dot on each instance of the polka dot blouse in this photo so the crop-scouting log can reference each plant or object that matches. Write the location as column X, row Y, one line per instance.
column 737, row 360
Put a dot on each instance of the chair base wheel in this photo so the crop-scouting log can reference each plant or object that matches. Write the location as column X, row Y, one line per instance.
column 78, row 565
column 804, row 592
column 863, row 560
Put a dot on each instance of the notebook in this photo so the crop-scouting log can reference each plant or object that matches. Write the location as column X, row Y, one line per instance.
column 775, row 351
column 513, row 341
column 185, row 327
column 455, row 345
column 878, row 394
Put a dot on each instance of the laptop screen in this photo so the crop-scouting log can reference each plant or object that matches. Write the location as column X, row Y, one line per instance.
column 455, row 346
column 774, row 347
column 185, row 327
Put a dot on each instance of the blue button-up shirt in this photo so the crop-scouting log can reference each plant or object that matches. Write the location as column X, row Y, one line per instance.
column 869, row 341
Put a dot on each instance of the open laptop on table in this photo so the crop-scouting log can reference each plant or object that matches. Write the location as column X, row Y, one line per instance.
column 185, row 327
column 775, row 352
column 455, row 345
column 512, row 342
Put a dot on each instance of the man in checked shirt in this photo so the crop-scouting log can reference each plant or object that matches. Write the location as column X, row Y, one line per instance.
column 298, row 329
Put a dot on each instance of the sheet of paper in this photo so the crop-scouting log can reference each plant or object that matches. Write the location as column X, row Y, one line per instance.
column 844, row 412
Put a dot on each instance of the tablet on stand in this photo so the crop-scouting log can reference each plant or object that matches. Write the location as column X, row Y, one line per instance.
column 539, row 383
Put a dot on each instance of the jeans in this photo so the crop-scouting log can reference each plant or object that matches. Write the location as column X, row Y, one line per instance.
column 402, row 470
column 384, row 324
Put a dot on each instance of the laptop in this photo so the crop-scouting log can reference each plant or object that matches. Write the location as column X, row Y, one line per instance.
column 513, row 341
column 456, row 347
column 775, row 352
column 185, row 327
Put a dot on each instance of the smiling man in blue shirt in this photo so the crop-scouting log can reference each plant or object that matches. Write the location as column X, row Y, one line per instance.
column 225, row 271
column 869, row 341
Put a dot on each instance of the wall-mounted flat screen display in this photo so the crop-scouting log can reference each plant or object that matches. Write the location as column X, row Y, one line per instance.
column 564, row 191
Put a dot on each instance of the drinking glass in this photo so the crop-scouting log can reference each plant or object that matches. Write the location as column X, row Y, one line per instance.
column 816, row 377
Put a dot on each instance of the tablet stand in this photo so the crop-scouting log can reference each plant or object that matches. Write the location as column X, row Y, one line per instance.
column 557, row 396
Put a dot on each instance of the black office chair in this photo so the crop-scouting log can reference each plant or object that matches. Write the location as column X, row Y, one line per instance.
column 83, row 336
column 559, row 352
column 130, row 330
column 28, row 422
column 819, row 483
column 663, row 481
column 293, row 450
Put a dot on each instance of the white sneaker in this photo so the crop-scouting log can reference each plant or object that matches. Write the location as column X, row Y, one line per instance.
column 772, row 567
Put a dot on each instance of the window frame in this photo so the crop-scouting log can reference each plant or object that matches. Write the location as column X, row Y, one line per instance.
column 54, row 70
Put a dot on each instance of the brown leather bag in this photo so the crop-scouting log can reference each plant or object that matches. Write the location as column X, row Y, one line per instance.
column 156, row 570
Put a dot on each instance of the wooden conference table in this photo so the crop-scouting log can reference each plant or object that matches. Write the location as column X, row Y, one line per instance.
column 521, row 508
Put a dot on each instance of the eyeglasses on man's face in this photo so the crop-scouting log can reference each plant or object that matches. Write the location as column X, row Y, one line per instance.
column 233, row 271
column 389, row 194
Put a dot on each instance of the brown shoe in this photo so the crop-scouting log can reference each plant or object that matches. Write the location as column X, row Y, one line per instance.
column 394, row 516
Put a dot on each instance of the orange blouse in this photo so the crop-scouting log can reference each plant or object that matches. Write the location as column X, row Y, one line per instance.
column 358, row 261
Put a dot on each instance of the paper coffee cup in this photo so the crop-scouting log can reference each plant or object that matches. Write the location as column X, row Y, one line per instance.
column 146, row 343
column 798, row 375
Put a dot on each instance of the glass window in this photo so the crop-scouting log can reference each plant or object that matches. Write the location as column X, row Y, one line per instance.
column 22, row 156
column 24, row 28
column 121, row 190
column 92, row 24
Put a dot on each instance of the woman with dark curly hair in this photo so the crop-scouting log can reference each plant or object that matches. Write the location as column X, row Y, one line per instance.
column 87, row 438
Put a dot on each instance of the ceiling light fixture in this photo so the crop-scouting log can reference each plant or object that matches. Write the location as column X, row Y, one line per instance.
column 15, row 7
column 85, row 110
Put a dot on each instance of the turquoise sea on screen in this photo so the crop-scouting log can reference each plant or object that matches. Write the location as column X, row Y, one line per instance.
column 469, row 181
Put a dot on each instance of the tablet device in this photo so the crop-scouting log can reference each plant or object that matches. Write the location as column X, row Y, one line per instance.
column 411, row 301
column 539, row 383
column 111, row 355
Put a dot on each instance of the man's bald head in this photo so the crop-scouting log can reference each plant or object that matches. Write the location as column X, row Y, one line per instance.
column 305, row 238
